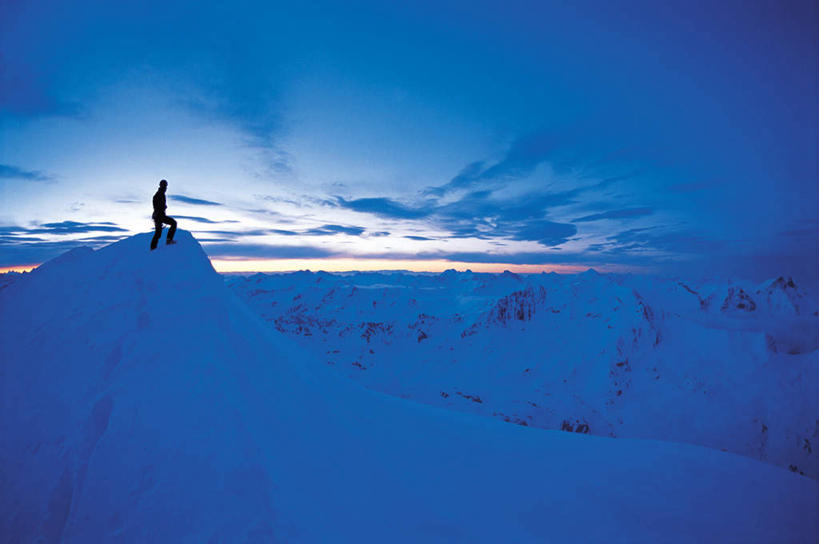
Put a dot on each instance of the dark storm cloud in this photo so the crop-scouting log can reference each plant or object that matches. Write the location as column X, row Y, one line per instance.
column 616, row 214
column 195, row 201
column 12, row 172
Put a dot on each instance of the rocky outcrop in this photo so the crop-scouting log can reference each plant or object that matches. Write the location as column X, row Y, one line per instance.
column 518, row 306
column 738, row 300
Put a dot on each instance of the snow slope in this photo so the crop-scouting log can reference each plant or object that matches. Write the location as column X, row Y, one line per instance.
column 728, row 366
column 141, row 401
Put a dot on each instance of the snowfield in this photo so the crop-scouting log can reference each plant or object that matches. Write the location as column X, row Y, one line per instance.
column 731, row 367
column 144, row 401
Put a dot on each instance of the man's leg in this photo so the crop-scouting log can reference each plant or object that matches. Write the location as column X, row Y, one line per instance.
column 157, row 233
column 172, row 222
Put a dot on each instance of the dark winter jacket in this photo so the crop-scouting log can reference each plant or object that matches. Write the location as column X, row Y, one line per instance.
column 159, row 204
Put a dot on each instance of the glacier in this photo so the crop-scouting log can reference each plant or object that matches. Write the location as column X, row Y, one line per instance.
column 143, row 399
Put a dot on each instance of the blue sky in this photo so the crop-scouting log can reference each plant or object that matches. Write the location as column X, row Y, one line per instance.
column 674, row 137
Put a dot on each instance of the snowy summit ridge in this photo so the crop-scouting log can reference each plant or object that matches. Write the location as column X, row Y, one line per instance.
column 142, row 401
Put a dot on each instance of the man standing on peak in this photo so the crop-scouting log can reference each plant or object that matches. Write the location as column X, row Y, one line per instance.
column 160, row 217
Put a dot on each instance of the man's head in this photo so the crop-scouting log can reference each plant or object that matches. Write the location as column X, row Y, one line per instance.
column 163, row 184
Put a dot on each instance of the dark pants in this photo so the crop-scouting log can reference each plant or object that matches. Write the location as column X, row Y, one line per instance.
column 158, row 225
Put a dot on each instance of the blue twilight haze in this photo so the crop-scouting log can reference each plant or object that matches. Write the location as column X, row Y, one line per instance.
column 656, row 136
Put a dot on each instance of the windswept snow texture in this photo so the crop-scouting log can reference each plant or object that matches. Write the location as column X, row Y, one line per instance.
column 731, row 367
column 143, row 402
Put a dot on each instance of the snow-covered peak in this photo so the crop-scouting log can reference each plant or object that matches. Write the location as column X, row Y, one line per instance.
column 783, row 297
column 183, row 262
column 141, row 401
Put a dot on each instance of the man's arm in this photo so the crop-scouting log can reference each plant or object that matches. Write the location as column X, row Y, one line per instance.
column 159, row 203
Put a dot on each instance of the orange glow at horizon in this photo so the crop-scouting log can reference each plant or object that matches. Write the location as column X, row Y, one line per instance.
column 365, row 265
column 18, row 268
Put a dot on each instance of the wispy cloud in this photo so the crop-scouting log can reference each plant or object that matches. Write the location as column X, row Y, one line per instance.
column 73, row 227
column 265, row 251
column 521, row 159
column 65, row 227
column 666, row 240
column 203, row 219
column 384, row 207
column 521, row 257
column 19, row 246
column 479, row 214
column 17, row 235
column 329, row 230
column 195, row 201
column 8, row 171
column 239, row 233
column 323, row 230
column 547, row 233
column 12, row 238
column 18, row 252
column 616, row 214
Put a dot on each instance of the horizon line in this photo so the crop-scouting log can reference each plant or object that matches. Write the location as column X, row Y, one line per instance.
column 229, row 266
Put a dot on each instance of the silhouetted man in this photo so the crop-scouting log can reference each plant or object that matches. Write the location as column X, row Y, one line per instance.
column 160, row 217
